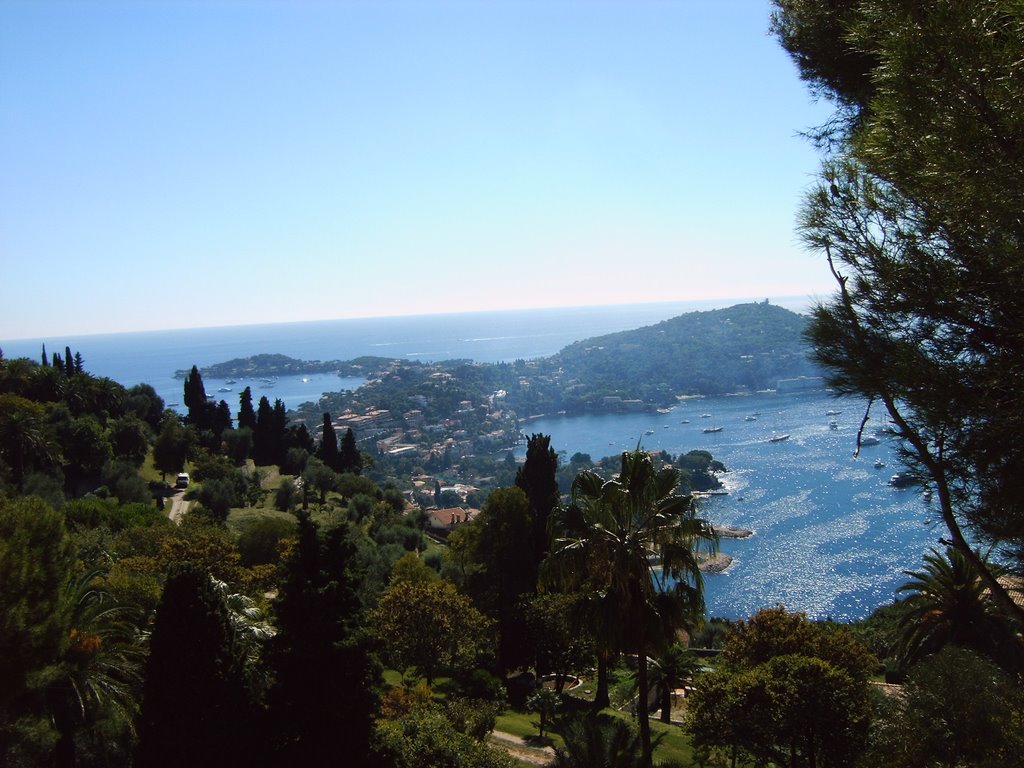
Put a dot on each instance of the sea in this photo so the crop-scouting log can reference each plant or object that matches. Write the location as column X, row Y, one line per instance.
column 831, row 537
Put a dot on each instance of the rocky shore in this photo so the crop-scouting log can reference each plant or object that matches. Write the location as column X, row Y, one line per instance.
column 716, row 563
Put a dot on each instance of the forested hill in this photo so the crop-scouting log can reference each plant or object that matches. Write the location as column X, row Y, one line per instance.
column 747, row 346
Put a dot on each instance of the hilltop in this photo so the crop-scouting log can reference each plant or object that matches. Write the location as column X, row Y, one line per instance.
column 740, row 348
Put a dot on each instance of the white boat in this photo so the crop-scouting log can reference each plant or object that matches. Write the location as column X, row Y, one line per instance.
column 902, row 480
column 833, row 424
column 778, row 438
column 869, row 440
column 712, row 429
column 879, row 463
column 224, row 389
column 750, row 418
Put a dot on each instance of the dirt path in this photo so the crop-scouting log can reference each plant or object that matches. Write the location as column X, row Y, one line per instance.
column 521, row 750
column 178, row 506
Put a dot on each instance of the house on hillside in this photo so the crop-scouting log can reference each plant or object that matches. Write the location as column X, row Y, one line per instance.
column 444, row 521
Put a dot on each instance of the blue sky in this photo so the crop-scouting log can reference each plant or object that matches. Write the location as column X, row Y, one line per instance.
column 177, row 164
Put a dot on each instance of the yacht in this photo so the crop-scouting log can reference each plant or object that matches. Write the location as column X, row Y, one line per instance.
column 902, row 480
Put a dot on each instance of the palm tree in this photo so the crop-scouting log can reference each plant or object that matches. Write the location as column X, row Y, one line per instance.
column 25, row 441
column 599, row 740
column 950, row 604
column 100, row 674
column 669, row 670
column 629, row 544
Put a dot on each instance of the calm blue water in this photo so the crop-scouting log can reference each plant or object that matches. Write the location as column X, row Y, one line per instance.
column 832, row 538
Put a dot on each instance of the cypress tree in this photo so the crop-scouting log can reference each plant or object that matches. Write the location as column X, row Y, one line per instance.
column 79, row 363
column 263, row 434
column 326, row 679
column 58, row 363
column 538, row 479
column 46, row 362
column 349, row 459
column 69, row 362
column 279, row 431
column 221, row 418
column 195, row 399
column 196, row 710
column 328, row 452
column 300, row 438
column 246, row 413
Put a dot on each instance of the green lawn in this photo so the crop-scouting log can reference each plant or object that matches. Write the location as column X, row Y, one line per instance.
column 241, row 518
column 674, row 746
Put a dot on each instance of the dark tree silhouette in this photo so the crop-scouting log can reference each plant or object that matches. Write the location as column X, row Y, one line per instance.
column 246, row 413
column 195, row 707
column 328, row 452
column 349, row 458
column 324, row 694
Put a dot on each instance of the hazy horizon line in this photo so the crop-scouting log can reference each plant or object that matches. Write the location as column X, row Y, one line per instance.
column 786, row 301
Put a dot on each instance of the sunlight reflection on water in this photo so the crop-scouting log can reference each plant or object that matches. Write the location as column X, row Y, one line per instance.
column 832, row 538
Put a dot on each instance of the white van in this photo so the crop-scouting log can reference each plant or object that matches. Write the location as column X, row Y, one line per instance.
column 182, row 481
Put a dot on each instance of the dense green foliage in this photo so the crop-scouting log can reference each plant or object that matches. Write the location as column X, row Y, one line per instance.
column 325, row 678
column 917, row 213
column 948, row 604
column 788, row 691
column 193, row 658
column 628, row 545
column 956, row 709
column 35, row 562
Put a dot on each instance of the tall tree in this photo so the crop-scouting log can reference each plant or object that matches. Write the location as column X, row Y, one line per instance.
column 328, row 452
column 349, row 458
column 263, row 434
column 221, row 418
column 321, row 645
column 195, row 399
column 195, row 707
column 538, row 477
column 35, row 565
column 144, row 402
column 246, row 413
column 630, row 545
column 918, row 216
column 505, row 571
column 279, row 431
